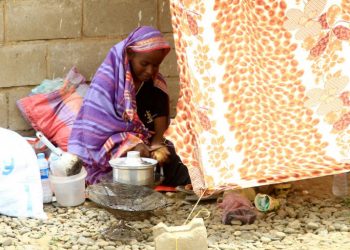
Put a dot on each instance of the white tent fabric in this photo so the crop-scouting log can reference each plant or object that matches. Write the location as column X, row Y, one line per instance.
column 264, row 90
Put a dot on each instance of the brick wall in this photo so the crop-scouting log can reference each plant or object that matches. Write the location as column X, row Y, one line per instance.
column 43, row 39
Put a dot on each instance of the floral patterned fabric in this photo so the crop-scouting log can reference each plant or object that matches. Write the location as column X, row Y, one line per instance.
column 264, row 90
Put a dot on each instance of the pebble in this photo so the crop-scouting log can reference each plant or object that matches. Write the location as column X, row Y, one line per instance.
column 312, row 225
column 35, row 235
column 85, row 241
column 291, row 212
column 344, row 228
column 290, row 230
column 282, row 213
column 92, row 248
column 86, row 234
column 249, row 227
column 6, row 242
column 301, row 223
column 280, row 235
column 236, row 222
column 294, row 224
column 24, row 231
column 109, row 248
column 265, row 239
column 226, row 246
column 337, row 226
column 102, row 243
column 288, row 242
column 170, row 194
column 237, row 233
column 322, row 233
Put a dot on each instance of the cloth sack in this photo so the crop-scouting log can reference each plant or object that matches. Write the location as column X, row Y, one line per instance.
column 54, row 113
column 236, row 206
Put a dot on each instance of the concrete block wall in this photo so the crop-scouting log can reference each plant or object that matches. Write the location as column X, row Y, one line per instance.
column 43, row 39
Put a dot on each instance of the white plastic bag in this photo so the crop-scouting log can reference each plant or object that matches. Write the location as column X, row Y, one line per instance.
column 20, row 184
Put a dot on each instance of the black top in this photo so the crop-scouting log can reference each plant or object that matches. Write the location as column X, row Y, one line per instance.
column 151, row 103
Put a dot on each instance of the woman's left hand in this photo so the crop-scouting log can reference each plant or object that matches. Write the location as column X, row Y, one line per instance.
column 161, row 155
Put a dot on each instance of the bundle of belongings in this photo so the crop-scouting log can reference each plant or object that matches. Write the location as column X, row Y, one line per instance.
column 53, row 106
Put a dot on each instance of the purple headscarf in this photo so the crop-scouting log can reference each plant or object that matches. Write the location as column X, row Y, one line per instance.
column 108, row 117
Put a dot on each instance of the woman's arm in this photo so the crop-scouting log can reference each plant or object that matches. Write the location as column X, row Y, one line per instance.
column 160, row 154
column 160, row 125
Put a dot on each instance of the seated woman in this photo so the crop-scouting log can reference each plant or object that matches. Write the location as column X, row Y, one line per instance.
column 127, row 108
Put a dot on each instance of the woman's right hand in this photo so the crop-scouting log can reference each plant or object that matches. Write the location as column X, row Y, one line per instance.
column 143, row 149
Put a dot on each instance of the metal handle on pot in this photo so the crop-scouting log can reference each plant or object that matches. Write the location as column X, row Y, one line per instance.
column 46, row 141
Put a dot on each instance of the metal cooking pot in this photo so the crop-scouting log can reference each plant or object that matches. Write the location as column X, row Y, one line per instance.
column 133, row 169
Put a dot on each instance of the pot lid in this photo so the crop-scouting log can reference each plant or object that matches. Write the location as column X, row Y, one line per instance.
column 132, row 159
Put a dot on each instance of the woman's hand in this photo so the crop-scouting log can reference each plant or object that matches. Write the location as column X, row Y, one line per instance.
column 161, row 155
column 143, row 149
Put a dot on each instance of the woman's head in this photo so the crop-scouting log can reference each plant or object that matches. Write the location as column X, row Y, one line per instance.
column 146, row 52
column 145, row 66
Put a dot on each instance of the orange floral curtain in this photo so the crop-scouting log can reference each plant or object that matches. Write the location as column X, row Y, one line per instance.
column 264, row 90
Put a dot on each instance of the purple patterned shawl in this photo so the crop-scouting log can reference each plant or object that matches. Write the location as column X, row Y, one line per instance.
column 108, row 117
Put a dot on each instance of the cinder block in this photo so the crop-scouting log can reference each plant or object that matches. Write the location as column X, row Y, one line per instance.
column 1, row 22
column 169, row 65
column 22, row 65
column 16, row 121
column 186, row 237
column 43, row 19
column 173, row 90
column 164, row 16
column 3, row 110
column 117, row 17
column 86, row 56
column 170, row 38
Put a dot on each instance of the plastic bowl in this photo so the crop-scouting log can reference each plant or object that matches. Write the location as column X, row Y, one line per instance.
column 69, row 190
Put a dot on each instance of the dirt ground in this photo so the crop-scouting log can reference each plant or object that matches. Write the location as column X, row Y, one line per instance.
column 311, row 219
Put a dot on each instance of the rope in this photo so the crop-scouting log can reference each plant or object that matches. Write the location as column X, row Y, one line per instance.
column 194, row 207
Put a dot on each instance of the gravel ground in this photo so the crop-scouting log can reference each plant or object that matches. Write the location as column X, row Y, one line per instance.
column 310, row 218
